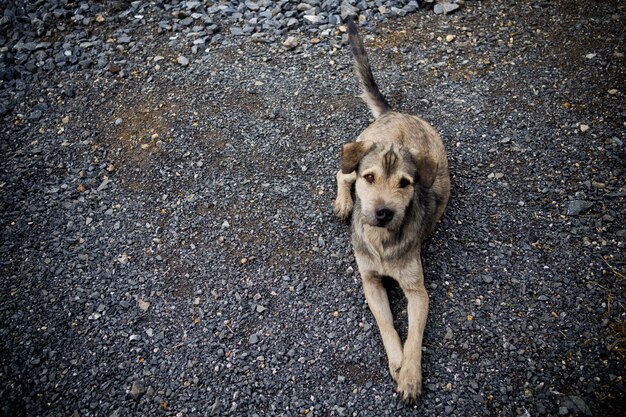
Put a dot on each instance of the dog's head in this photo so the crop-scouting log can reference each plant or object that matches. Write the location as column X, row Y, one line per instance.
column 387, row 178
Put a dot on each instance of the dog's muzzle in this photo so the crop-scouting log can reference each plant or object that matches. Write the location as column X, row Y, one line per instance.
column 383, row 216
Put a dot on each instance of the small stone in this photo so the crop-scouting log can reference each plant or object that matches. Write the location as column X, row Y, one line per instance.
column 577, row 405
column 237, row 31
column 612, row 91
column 291, row 42
column 348, row 11
column 575, row 207
column 450, row 38
column 114, row 69
column 215, row 408
column 608, row 218
column 182, row 61
column 445, row 7
column 94, row 316
column 583, row 128
column 225, row 225
column 411, row 6
column 118, row 121
column 487, row 279
column 302, row 7
column 137, row 391
column 260, row 308
column 313, row 19
column 252, row 5
column 123, row 258
column 186, row 21
column 143, row 305
column 34, row 115
column 104, row 185
column 253, row 339
column 100, row 19
column 590, row 55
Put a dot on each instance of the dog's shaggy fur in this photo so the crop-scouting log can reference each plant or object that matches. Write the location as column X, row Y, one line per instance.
column 399, row 170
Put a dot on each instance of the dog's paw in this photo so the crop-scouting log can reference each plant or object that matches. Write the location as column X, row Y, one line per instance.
column 394, row 359
column 394, row 369
column 409, row 382
column 343, row 207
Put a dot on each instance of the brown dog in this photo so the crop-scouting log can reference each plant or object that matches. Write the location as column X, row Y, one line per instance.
column 399, row 170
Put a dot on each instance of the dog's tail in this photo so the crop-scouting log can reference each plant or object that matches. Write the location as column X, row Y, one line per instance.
column 370, row 92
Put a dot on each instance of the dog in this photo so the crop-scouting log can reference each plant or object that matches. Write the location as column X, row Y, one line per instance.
column 397, row 170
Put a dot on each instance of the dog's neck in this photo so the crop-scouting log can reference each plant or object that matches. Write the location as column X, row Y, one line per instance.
column 377, row 238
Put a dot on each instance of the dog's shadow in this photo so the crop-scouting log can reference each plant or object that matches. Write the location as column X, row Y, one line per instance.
column 398, row 304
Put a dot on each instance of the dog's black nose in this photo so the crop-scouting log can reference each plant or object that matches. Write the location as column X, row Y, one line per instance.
column 384, row 216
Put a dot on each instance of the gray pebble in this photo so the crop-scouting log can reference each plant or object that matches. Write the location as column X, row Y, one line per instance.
column 348, row 11
column 575, row 207
column 137, row 391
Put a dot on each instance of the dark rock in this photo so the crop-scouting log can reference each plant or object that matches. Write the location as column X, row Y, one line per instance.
column 575, row 207
column 137, row 391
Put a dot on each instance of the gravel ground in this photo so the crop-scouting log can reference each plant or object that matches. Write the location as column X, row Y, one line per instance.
column 167, row 179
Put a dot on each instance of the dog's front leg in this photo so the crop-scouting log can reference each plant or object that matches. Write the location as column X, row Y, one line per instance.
column 410, row 376
column 343, row 202
column 377, row 299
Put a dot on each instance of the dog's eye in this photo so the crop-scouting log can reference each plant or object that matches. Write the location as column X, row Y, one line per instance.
column 369, row 178
column 404, row 183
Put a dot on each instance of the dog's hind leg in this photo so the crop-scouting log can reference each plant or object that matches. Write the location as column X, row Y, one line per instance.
column 343, row 202
column 377, row 299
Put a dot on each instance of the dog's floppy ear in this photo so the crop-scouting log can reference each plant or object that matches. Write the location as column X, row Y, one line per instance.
column 351, row 155
column 426, row 169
